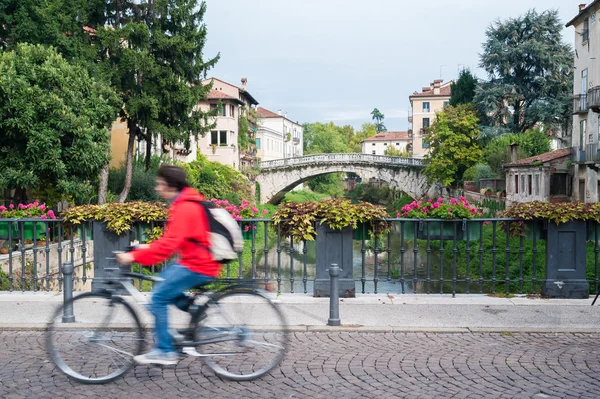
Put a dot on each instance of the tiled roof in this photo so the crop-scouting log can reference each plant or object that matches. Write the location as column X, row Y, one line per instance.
column 547, row 157
column 242, row 91
column 444, row 91
column 389, row 136
column 265, row 113
column 216, row 94
column 582, row 13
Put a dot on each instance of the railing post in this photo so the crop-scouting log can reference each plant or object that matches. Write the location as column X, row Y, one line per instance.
column 334, row 296
column 68, row 316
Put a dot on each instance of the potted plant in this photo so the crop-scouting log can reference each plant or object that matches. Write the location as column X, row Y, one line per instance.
column 331, row 222
column 454, row 210
column 244, row 211
column 34, row 210
column 4, row 250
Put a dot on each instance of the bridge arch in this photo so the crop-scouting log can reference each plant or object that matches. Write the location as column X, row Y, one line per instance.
column 278, row 177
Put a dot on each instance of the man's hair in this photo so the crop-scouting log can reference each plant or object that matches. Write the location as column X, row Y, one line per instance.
column 174, row 176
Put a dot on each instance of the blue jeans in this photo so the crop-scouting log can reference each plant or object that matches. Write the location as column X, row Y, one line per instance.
column 177, row 279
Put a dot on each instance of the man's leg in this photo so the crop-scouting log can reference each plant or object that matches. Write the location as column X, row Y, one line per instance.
column 176, row 280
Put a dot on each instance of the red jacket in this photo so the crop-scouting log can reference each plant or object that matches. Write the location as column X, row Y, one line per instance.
column 186, row 220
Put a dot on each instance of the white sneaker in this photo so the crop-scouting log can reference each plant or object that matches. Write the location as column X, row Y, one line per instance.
column 157, row 356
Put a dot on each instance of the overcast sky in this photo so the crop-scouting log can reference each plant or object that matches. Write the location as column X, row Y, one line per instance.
column 336, row 60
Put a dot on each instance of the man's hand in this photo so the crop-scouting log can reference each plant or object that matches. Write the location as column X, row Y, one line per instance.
column 124, row 258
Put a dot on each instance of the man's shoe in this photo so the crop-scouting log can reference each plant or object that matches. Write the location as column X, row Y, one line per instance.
column 157, row 356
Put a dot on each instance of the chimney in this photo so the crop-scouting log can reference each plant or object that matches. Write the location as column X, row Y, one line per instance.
column 581, row 7
column 244, row 81
column 436, row 86
column 279, row 112
column 514, row 149
column 285, row 114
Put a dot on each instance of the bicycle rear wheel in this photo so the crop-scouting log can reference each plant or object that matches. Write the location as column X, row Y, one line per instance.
column 100, row 344
column 243, row 335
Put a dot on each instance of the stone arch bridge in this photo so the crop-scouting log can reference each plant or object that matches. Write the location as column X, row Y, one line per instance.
column 280, row 176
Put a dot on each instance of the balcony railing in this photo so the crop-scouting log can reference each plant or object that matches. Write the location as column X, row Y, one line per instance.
column 593, row 98
column 591, row 152
column 296, row 140
column 580, row 103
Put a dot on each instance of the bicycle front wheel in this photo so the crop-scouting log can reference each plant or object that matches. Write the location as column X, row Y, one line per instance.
column 98, row 343
column 243, row 335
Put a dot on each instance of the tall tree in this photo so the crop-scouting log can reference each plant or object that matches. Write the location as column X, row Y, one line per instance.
column 53, row 122
column 529, row 70
column 452, row 140
column 463, row 90
column 378, row 118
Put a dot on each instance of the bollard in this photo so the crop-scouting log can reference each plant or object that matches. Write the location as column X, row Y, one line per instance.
column 68, row 316
column 334, row 296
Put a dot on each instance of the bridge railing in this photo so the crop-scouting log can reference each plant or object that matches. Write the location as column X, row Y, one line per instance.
column 340, row 158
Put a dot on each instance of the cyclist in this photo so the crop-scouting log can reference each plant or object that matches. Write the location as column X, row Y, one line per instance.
column 186, row 235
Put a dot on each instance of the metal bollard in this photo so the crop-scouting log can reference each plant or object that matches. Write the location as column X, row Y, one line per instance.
column 68, row 316
column 334, row 296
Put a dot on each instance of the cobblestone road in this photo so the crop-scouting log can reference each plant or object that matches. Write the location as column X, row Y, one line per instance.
column 345, row 365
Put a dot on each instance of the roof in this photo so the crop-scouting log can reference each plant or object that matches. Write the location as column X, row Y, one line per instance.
column 389, row 136
column 546, row 157
column 582, row 13
column 242, row 91
column 265, row 113
column 219, row 95
column 445, row 91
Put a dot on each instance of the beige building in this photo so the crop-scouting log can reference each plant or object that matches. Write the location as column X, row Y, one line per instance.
column 586, row 102
column 378, row 144
column 277, row 136
column 424, row 105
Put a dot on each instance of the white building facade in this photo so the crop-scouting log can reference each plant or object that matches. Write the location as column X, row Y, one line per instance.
column 277, row 136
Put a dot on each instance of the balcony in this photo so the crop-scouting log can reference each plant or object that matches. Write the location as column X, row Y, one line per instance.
column 296, row 140
column 593, row 99
column 580, row 103
column 424, row 130
column 591, row 153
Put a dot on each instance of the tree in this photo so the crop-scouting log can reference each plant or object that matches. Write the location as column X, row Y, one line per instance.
column 378, row 118
column 355, row 142
column 152, row 54
column 529, row 70
column 453, row 145
column 53, row 122
column 463, row 90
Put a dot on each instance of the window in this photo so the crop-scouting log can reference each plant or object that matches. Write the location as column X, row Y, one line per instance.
column 584, row 83
column 223, row 137
column 426, row 107
column 214, row 137
column 232, row 110
column 223, row 110
column 426, row 122
column 397, row 144
column 258, row 143
column 516, row 184
column 582, row 128
column 558, row 184
column 537, row 185
column 446, row 103
column 213, row 106
column 585, row 36
column 385, row 144
column 373, row 144
column 373, row 152
column 529, row 184
column 425, row 143
column 522, row 185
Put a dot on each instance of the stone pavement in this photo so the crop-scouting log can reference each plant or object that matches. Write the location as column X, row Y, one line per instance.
column 344, row 365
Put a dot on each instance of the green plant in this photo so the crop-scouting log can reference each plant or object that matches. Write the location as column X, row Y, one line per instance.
column 453, row 209
column 298, row 219
column 119, row 217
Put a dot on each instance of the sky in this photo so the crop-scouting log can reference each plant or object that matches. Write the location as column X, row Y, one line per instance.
column 336, row 60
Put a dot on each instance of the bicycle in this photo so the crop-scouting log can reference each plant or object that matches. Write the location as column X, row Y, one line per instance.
column 109, row 343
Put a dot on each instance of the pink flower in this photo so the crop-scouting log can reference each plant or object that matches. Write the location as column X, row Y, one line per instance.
column 21, row 206
column 398, row 215
column 486, row 223
column 254, row 209
column 425, row 210
column 51, row 214
column 246, row 228
column 462, row 198
column 429, row 201
column 450, row 215
column 2, row 208
column 42, row 207
column 440, row 199
column 11, row 206
column 44, row 217
column 405, row 214
column 265, row 212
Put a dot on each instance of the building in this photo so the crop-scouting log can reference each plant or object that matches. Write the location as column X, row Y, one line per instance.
column 278, row 137
column 586, row 102
column 378, row 144
column 545, row 177
column 423, row 106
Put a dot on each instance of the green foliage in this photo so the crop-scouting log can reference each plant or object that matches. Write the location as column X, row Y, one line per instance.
column 330, row 185
column 453, row 144
column 119, row 217
column 142, row 182
column 378, row 118
column 530, row 72
column 478, row 172
column 215, row 180
column 298, row 219
column 303, row 196
column 463, row 90
column 395, row 152
column 53, row 122
column 533, row 142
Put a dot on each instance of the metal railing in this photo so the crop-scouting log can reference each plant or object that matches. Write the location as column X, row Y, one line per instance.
column 593, row 97
column 416, row 256
column 350, row 158
column 580, row 103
